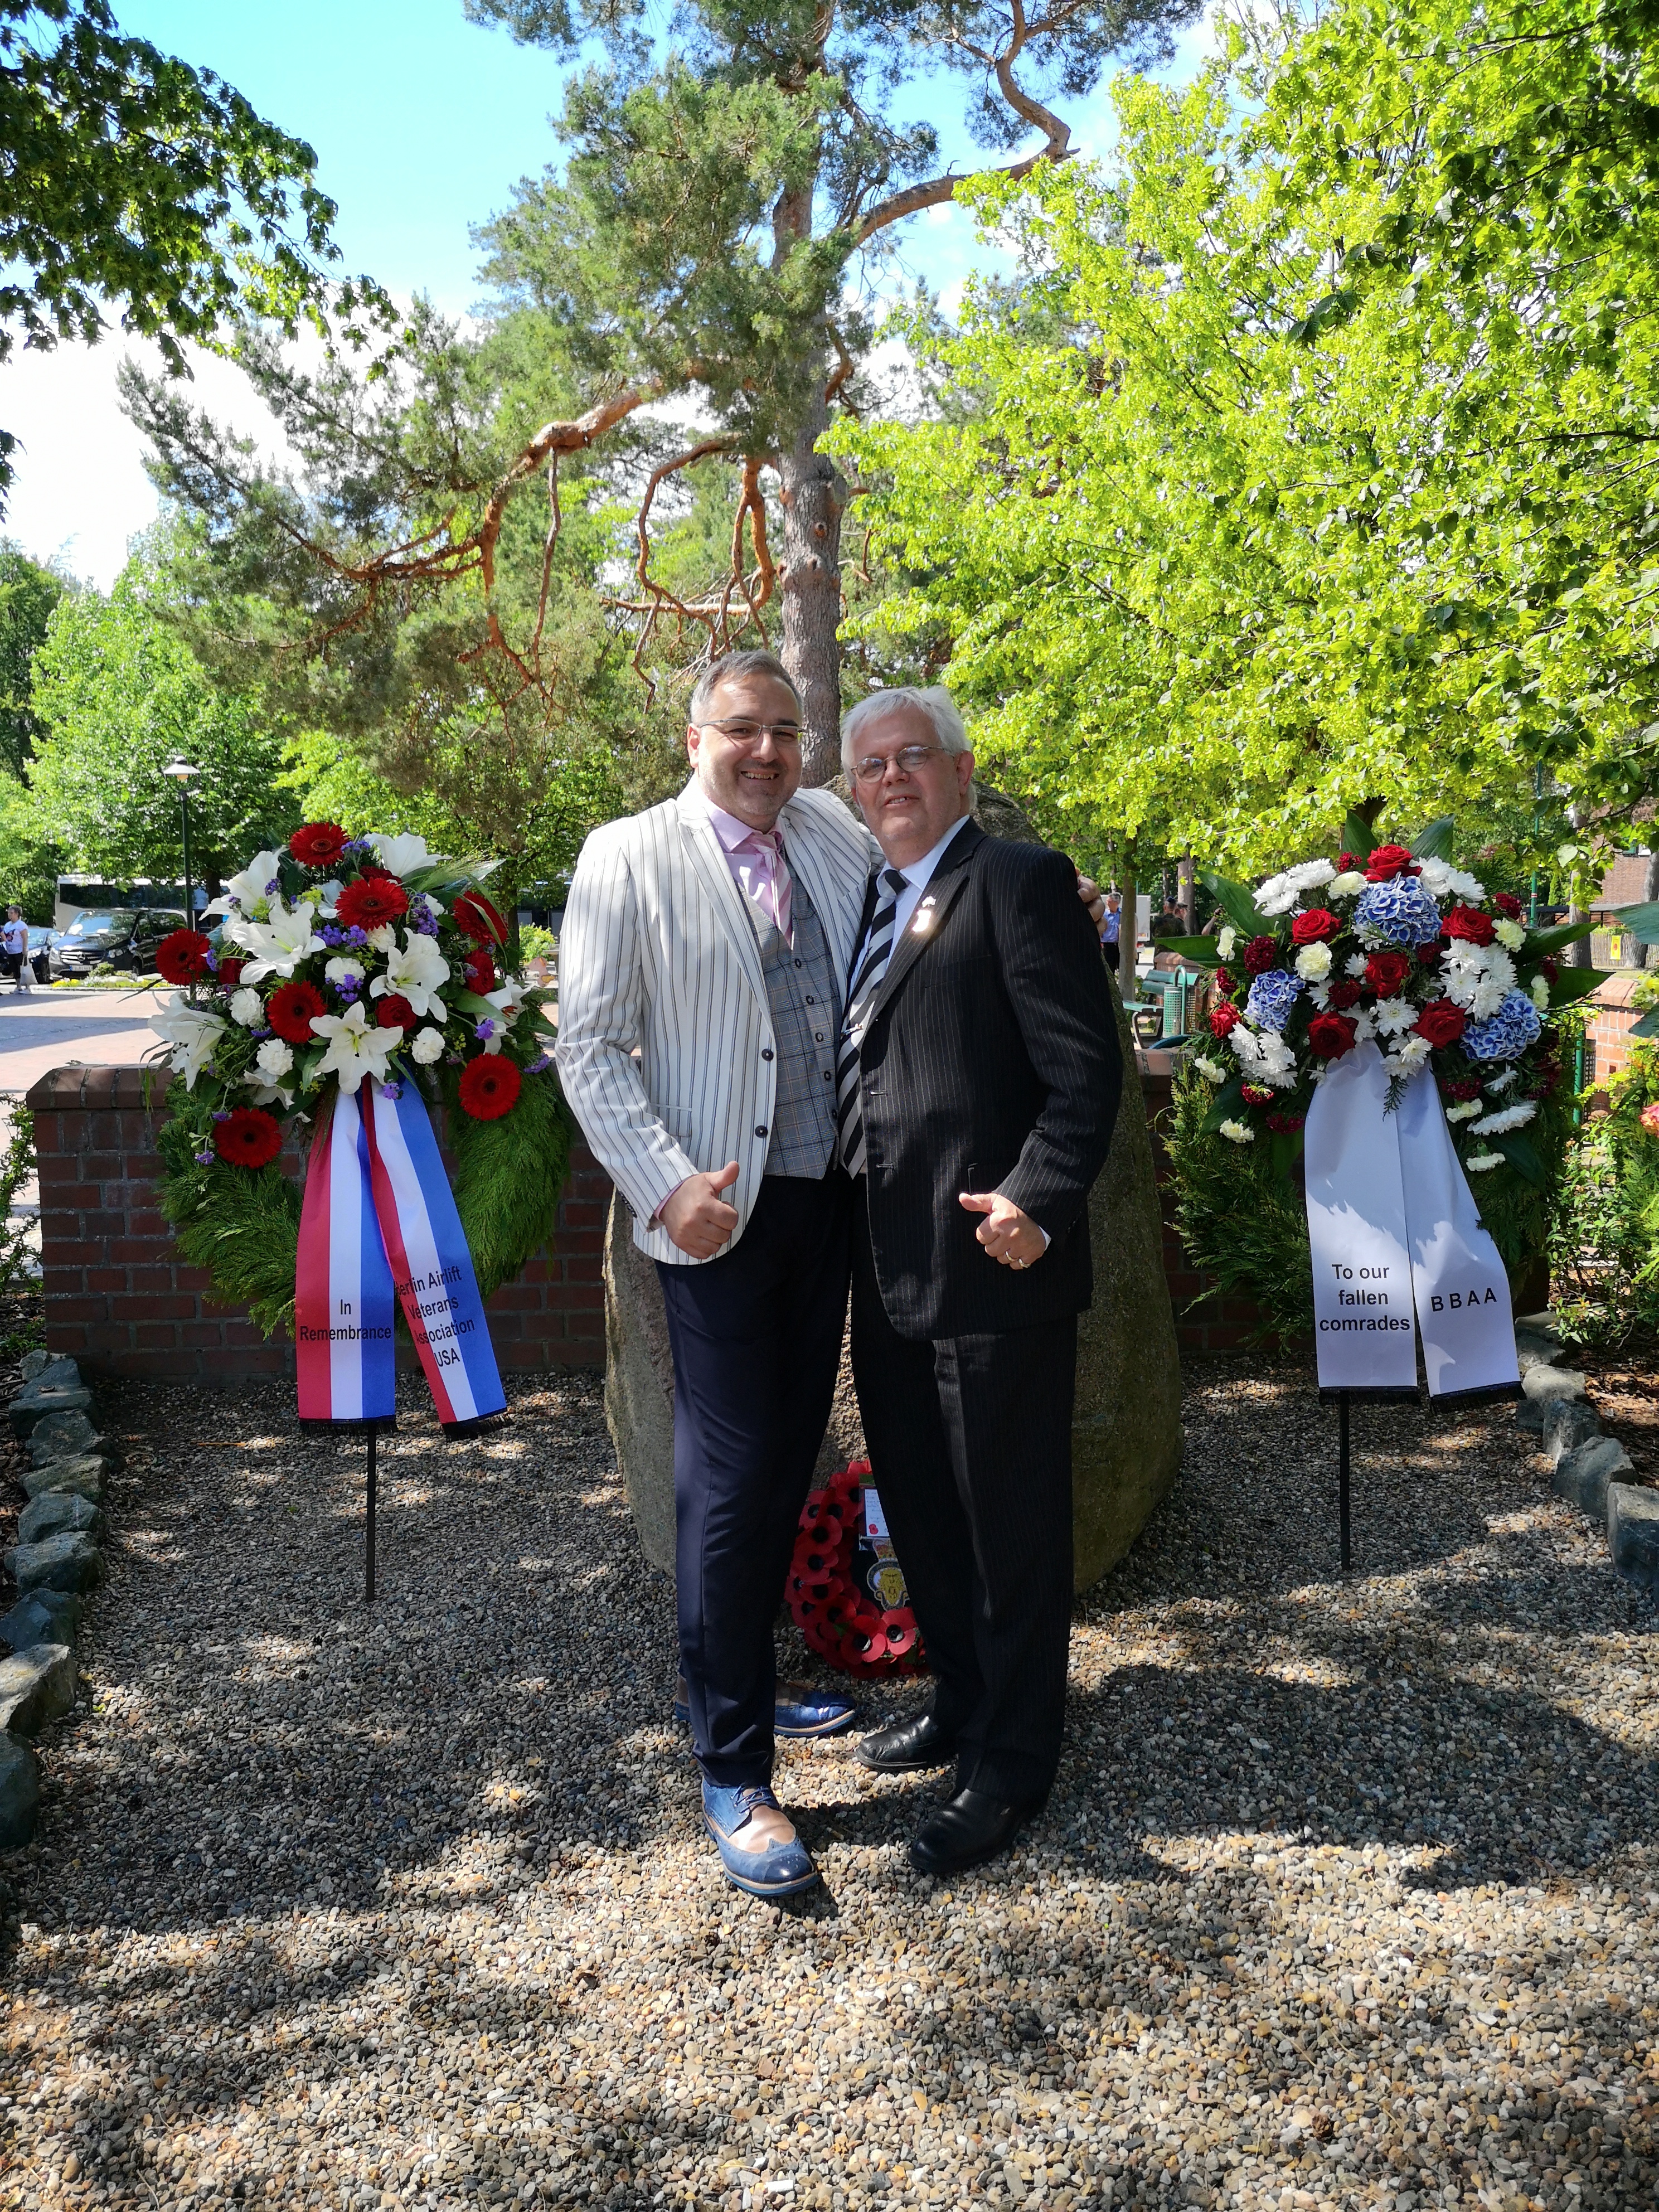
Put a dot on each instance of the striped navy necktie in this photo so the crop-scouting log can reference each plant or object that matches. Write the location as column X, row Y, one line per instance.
column 877, row 951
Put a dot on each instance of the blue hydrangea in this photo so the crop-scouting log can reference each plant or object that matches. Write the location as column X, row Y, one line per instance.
column 1272, row 996
column 1509, row 1031
column 1398, row 912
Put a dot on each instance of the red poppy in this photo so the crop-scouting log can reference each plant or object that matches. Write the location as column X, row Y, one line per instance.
column 1331, row 1034
column 395, row 1012
column 1223, row 1020
column 1386, row 971
column 318, row 844
column 1254, row 1094
column 1507, row 905
column 1343, row 994
column 1389, row 861
column 229, row 971
column 183, row 956
column 1459, row 1090
column 292, row 1009
column 248, row 1138
column 1442, row 1023
column 1284, row 1125
column 481, row 972
column 474, row 913
column 1468, row 923
column 371, row 900
column 1317, row 927
column 1260, row 954
column 489, row 1086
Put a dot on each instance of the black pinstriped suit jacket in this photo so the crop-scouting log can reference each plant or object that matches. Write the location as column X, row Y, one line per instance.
column 990, row 1062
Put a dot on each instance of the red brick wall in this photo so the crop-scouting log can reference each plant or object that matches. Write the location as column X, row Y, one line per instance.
column 119, row 1299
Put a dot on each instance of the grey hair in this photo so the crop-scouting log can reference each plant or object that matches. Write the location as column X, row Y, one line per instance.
column 755, row 662
column 935, row 702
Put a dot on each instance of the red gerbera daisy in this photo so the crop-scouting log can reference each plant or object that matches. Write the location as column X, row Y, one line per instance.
column 372, row 901
column 318, row 844
column 475, row 915
column 489, row 1086
column 248, row 1138
column 394, row 1012
column 183, row 956
column 293, row 1008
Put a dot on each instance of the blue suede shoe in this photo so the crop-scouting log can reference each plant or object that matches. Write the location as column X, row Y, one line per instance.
column 779, row 1869
column 799, row 1710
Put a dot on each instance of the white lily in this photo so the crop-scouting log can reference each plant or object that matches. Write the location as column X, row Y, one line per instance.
column 354, row 1049
column 401, row 854
column 192, row 1033
column 507, row 1002
column 415, row 971
column 248, row 890
column 268, row 1094
column 279, row 945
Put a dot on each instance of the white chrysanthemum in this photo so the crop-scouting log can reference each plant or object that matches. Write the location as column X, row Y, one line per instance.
column 1365, row 1023
column 1509, row 934
column 1477, row 977
column 1313, row 963
column 1356, row 964
column 1539, row 990
column 1503, row 1082
column 273, row 1058
column 1225, row 942
column 1348, row 884
column 1209, row 1069
column 1394, row 1016
column 340, row 969
column 428, row 1046
column 1465, row 1112
column 1281, row 893
column 1507, row 1117
column 1440, row 879
column 1238, row 1133
column 1319, row 996
column 1480, row 1162
column 248, row 1008
column 1264, row 1056
column 1408, row 1056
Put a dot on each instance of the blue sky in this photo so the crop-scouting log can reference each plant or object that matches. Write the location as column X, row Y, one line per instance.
column 422, row 123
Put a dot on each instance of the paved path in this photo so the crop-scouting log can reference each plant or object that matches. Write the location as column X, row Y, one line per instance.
column 61, row 1029
column 1345, row 1897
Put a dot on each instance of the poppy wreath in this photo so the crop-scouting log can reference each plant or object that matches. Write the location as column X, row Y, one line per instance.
column 331, row 963
column 829, row 1593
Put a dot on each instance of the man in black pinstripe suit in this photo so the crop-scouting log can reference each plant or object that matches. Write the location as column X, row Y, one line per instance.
column 978, row 1080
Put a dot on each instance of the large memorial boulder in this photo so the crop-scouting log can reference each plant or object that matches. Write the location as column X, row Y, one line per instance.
column 1126, row 1430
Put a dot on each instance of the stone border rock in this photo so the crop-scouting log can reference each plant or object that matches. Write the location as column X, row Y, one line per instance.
column 1588, row 1465
column 55, row 1564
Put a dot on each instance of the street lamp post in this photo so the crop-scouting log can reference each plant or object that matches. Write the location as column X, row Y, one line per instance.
column 183, row 771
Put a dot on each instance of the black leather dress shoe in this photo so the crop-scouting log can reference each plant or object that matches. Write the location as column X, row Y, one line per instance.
column 974, row 1826
column 909, row 1748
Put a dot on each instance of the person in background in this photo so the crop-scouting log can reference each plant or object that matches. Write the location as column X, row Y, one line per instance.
column 1111, row 926
column 14, row 939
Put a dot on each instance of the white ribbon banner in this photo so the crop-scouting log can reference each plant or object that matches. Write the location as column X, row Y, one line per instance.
column 1397, row 1243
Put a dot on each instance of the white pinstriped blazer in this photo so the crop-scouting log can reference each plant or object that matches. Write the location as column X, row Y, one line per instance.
column 658, row 958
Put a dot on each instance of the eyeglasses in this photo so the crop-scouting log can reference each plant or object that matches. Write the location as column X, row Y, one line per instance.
column 752, row 733
column 907, row 760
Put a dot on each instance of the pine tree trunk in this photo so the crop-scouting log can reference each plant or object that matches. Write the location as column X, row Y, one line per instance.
column 814, row 497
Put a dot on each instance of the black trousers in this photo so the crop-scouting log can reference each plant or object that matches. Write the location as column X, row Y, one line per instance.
column 970, row 1449
column 757, row 1341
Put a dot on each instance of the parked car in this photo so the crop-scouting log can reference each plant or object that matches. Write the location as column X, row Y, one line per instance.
column 120, row 937
column 41, row 942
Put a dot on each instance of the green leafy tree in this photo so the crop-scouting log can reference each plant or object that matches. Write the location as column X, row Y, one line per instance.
column 29, row 592
column 129, row 176
column 119, row 696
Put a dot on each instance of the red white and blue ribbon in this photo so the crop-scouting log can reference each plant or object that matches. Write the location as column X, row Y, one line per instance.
column 380, row 1222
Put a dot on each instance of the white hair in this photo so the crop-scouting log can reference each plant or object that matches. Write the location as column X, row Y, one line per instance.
column 935, row 702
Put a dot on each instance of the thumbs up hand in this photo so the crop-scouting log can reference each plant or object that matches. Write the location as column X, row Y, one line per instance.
column 697, row 1218
column 1009, row 1237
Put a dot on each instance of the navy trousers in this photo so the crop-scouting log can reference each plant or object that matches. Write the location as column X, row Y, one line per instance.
column 757, row 1340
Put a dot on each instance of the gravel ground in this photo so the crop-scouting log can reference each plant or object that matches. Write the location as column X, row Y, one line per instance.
column 1347, row 1895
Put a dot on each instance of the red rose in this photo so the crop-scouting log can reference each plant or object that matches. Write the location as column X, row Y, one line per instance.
column 1461, row 1090
column 229, row 971
column 183, row 956
column 1468, row 923
column 1260, row 954
column 1223, row 977
column 292, row 1009
column 248, row 1138
column 395, row 1012
column 318, row 844
column 1343, row 994
column 371, row 900
column 1284, row 1125
column 1317, row 927
column 1223, row 1020
column 1428, row 955
column 474, row 913
column 481, row 972
column 1442, row 1023
column 1507, row 905
column 489, row 1086
column 1389, row 861
column 1254, row 1094
column 1331, row 1034
column 1386, row 971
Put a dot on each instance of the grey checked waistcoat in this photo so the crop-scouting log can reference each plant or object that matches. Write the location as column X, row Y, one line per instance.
column 803, row 995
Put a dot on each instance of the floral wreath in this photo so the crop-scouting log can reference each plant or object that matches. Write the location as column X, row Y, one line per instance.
column 334, row 960
column 829, row 1586
column 1401, row 948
